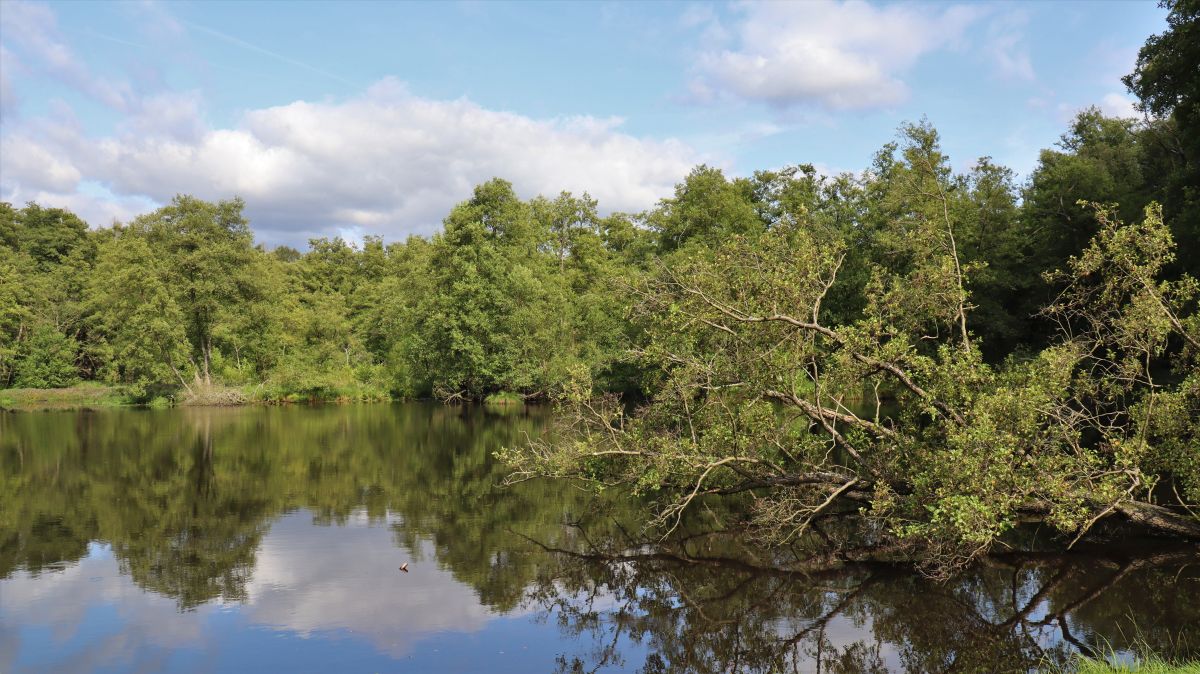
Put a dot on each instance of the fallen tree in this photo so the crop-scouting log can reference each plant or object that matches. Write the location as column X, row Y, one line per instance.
column 894, row 416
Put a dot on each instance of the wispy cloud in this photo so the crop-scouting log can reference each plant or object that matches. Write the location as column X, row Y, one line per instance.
column 8, row 95
column 34, row 29
column 267, row 52
column 1007, row 47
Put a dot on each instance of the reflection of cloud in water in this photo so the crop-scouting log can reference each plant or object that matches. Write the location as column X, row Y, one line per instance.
column 95, row 615
column 840, row 634
column 306, row 580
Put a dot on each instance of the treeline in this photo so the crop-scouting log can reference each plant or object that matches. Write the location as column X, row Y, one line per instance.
column 515, row 295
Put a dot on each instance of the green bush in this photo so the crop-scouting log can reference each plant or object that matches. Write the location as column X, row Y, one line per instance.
column 46, row 360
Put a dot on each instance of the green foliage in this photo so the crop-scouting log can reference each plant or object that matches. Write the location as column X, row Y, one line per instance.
column 47, row 235
column 46, row 360
column 504, row 398
column 513, row 295
column 1167, row 80
column 706, row 207
column 1100, row 159
column 207, row 254
column 140, row 326
column 967, row 450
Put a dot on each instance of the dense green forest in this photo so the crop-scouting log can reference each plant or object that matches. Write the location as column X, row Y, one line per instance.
column 952, row 352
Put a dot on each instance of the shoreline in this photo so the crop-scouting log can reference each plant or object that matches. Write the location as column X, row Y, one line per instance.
column 92, row 396
column 80, row 397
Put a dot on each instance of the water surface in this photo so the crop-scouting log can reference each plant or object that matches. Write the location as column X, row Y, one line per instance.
column 269, row 539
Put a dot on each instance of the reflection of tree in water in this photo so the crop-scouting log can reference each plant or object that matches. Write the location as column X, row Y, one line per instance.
column 1014, row 614
column 184, row 498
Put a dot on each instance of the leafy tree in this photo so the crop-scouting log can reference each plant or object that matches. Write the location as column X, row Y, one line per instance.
column 489, row 324
column 46, row 255
column 706, row 208
column 140, row 326
column 14, row 309
column 48, row 235
column 286, row 254
column 10, row 234
column 1167, row 80
column 46, row 360
column 1100, row 159
column 208, row 251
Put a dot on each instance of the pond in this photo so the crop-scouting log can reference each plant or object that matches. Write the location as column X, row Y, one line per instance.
column 271, row 539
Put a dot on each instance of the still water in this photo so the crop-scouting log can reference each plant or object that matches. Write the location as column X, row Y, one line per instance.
column 270, row 539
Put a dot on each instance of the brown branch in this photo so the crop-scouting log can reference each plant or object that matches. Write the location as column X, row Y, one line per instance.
column 819, row 411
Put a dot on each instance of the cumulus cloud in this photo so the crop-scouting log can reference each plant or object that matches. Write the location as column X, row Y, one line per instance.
column 384, row 162
column 40, row 168
column 837, row 55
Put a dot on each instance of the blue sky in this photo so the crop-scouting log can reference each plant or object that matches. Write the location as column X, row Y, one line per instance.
column 376, row 117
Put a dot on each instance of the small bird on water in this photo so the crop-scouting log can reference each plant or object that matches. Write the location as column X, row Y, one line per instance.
column 404, row 567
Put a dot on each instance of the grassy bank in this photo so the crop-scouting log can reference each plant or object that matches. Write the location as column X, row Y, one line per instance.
column 83, row 396
column 93, row 396
column 1150, row 665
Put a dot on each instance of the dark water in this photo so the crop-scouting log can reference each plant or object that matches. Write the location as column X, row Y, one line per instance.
column 269, row 539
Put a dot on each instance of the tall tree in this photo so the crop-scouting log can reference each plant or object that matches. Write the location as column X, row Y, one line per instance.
column 706, row 208
column 140, row 328
column 1167, row 80
column 207, row 249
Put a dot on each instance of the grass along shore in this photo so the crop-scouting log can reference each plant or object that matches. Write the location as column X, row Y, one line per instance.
column 90, row 395
column 1138, row 666
column 82, row 396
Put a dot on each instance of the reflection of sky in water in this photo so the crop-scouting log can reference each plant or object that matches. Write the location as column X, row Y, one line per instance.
column 330, row 598
column 321, row 598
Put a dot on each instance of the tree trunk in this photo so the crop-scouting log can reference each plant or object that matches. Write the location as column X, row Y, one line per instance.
column 1161, row 520
column 207, row 359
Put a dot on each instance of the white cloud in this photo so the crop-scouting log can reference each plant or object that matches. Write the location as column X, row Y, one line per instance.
column 167, row 115
column 1118, row 105
column 838, row 55
column 39, row 168
column 304, row 585
column 385, row 162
